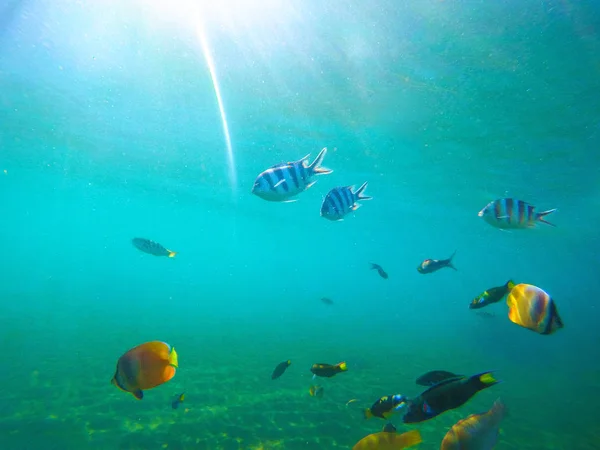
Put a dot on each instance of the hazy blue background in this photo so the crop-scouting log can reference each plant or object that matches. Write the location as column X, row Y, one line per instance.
column 110, row 129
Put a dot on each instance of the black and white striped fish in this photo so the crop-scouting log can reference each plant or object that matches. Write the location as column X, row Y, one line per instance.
column 286, row 180
column 512, row 213
column 341, row 200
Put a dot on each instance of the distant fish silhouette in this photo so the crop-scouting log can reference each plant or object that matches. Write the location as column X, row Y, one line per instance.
column 382, row 273
column 327, row 301
column 151, row 247
column 178, row 399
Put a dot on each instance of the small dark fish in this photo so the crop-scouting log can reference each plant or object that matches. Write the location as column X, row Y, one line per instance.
column 433, row 265
column 386, row 406
column 436, row 376
column 151, row 247
column 446, row 395
column 327, row 301
column 328, row 370
column 511, row 213
column 281, row 367
column 178, row 399
column 389, row 428
column 380, row 270
column 341, row 200
column 492, row 295
column 316, row 391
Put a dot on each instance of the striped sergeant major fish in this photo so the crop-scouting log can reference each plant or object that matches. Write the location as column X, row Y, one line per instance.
column 285, row 180
column 341, row 200
column 510, row 213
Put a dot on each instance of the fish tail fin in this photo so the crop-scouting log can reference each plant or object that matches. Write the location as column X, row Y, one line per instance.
column 367, row 413
column 173, row 360
column 450, row 261
column 359, row 192
column 510, row 284
column 316, row 168
column 483, row 380
column 343, row 367
column 540, row 216
column 171, row 254
column 410, row 438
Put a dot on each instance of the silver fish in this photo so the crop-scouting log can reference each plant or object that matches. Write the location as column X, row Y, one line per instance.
column 283, row 181
column 512, row 213
column 341, row 200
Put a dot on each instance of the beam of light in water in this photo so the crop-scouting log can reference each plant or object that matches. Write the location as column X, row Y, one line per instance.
column 213, row 75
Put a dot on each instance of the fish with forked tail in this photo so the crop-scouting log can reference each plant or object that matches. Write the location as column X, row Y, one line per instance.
column 341, row 200
column 491, row 295
column 446, row 395
column 433, row 265
column 286, row 180
column 510, row 213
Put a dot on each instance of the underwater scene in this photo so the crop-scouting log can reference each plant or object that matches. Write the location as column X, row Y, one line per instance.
column 299, row 224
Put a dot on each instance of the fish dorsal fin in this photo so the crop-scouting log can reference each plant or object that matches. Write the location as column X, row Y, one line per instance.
column 442, row 383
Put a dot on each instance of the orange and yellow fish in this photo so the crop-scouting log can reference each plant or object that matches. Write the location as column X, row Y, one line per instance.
column 389, row 441
column 145, row 367
column 532, row 308
column 476, row 432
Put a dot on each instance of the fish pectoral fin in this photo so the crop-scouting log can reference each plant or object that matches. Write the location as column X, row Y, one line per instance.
column 138, row 394
column 309, row 184
column 290, row 201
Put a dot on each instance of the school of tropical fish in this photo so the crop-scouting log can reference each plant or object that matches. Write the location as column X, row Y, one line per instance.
column 153, row 363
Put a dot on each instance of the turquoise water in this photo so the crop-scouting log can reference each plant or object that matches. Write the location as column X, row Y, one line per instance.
column 111, row 130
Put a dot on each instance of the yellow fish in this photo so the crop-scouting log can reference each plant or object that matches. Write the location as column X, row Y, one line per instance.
column 532, row 308
column 389, row 441
column 145, row 367
column 316, row 391
column 476, row 432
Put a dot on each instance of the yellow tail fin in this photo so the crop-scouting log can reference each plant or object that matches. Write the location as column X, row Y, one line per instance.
column 487, row 378
column 408, row 439
column 172, row 254
column 343, row 366
column 173, row 358
column 510, row 284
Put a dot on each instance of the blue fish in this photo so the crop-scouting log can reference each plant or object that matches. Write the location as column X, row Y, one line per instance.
column 283, row 181
column 341, row 200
